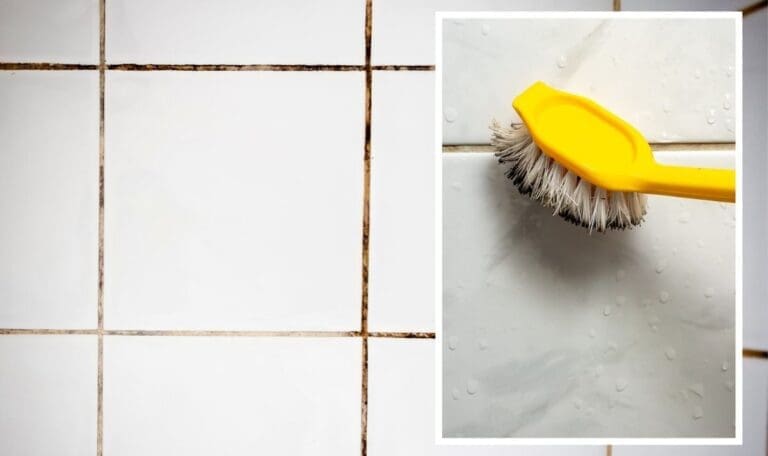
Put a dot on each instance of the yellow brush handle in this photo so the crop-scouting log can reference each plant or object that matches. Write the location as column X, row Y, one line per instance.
column 699, row 183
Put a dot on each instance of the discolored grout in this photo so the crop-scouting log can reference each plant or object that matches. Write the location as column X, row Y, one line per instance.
column 655, row 147
column 617, row 5
column 213, row 333
column 366, row 231
column 47, row 332
column 402, row 335
column 227, row 67
column 403, row 68
column 750, row 353
column 608, row 450
column 753, row 8
column 100, row 297
column 42, row 66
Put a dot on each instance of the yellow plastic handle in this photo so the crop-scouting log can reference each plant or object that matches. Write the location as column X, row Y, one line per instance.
column 686, row 182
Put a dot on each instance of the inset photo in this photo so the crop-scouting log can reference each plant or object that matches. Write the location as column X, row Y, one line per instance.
column 591, row 248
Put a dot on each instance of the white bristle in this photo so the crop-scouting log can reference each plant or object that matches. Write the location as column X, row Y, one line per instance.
column 537, row 175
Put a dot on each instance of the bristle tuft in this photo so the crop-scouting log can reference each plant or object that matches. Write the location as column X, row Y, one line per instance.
column 537, row 175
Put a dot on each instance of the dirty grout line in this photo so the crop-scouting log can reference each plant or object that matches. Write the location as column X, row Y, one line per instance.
column 100, row 292
column 608, row 450
column 228, row 67
column 751, row 353
column 617, row 5
column 754, row 8
column 368, row 35
column 402, row 335
column 47, row 332
column 655, row 147
column 42, row 66
column 213, row 333
column 404, row 68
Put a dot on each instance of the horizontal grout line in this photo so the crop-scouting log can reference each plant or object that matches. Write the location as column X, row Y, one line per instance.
column 403, row 68
column 656, row 147
column 23, row 66
column 213, row 333
column 750, row 353
column 403, row 335
column 225, row 67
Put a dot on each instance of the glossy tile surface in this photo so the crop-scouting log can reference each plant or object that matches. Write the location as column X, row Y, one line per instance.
column 401, row 406
column 236, row 32
column 235, row 200
column 49, row 31
column 404, row 30
column 49, row 137
column 755, row 422
column 676, row 84
column 201, row 396
column 402, row 257
column 48, row 395
column 550, row 331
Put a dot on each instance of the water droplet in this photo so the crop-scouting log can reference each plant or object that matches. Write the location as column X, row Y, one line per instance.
column 698, row 389
column 450, row 114
column 729, row 70
column 663, row 297
column 727, row 101
column 729, row 385
column 709, row 292
column 661, row 265
column 485, row 29
column 456, row 186
column 666, row 106
column 645, row 302
column 724, row 366
column 620, row 300
column 697, row 73
column 684, row 217
column 472, row 386
column 455, row 394
column 592, row 333
column 654, row 328
column 620, row 274
column 698, row 412
column 562, row 61
column 482, row 344
column 621, row 384
column 711, row 116
column 612, row 346
column 607, row 310
column 670, row 353
column 452, row 342
column 729, row 124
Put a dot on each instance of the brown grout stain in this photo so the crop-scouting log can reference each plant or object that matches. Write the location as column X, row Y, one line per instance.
column 225, row 67
column 366, row 230
column 617, row 5
column 608, row 450
column 403, row 68
column 100, row 296
column 655, row 147
column 403, row 335
column 212, row 333
column 42, row 66
column 750, row 353
column 755, row 7
column 47, row 332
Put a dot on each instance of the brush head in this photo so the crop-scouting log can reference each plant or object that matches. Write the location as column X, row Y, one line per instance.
column 537, row 175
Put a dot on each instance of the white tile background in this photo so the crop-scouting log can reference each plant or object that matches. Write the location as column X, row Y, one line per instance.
column 49, row 344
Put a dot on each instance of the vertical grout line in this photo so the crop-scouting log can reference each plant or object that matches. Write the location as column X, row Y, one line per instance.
column 100, row 298
column 617, row 5
column 366, row 230
column 609, row 450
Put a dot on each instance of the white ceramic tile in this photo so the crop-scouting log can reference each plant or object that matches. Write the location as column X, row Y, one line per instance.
column 755, row 184
column 236, row 31
column 234, row 200
column 48, row 395
column 201, row 396
column 401, row 406
column 684, row 5
column 404, row 30
column 49, row 31
column 402, row 257
column 755, row 422
column 562, row 333
column 49, row 137
column 665, row 84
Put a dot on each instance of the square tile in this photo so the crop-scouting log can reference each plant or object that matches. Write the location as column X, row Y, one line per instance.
column 48, row 392
column 49, row 31
column 402, row 253
column 201, row 396
column 404, row 30
column 234, row 200
column 236, row 31
column 553, row 332
column 677, row 84
column 755, row 422
column 49, row 186
column 755, row 164
column 401, row 409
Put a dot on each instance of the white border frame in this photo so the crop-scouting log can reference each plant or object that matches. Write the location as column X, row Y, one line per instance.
column 439, row 439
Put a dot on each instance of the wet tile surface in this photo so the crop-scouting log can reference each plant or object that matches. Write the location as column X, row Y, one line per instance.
column 215, row 220
column 550, row 331
column 677, row 84
column 48, row 392
column 49, row 137
column 201, row 396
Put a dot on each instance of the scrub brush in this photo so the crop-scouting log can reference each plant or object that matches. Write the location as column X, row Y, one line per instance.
column 590, row 166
